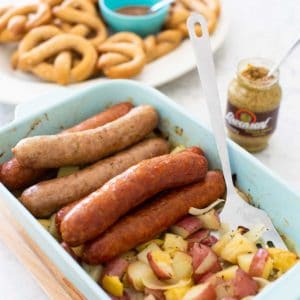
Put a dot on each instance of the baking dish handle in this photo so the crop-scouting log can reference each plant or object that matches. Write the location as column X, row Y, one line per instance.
column 40, row 102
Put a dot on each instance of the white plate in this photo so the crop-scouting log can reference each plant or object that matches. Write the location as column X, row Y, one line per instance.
column 17, row 87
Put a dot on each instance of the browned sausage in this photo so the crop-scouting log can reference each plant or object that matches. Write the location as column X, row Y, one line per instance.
column 14, row 176
column 99, row 210
column 48, row 196
column 153, row 218
column 63, row 211
column 112, row 113
column 78, row 148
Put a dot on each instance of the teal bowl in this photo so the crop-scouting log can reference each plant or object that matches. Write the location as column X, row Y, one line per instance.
column 141, row 25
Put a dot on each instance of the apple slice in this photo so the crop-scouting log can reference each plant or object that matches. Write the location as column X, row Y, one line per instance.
column 161, row 264
column 174, row 243
column 137, row 272
column 176, row 293
column 283, row 260
column 182, row 265
column 261, row 264
column 204, row 260
column 113, row 285
column 204, row 291
column 142, row 256
column 244, row 285
column 236, row 246
column 187, row 226
column 228, row 273
column 210, row 220
column 244, row 261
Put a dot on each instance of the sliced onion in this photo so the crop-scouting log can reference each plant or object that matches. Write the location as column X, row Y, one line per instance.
column 255, row 233
column 198, row 212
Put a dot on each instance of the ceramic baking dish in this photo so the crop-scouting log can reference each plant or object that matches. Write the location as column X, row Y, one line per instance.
column 267, row 190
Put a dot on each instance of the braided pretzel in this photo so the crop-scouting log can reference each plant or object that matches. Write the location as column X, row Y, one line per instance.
column 181, row 10
column 162, row 44
column 82, row 12
column 15, row 22
column 47, row 53
column 122, row 55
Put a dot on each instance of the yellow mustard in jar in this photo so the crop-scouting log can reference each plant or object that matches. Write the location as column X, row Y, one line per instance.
column 253, row 104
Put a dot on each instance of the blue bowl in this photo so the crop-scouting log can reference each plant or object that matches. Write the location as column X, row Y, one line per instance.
column 141, row 25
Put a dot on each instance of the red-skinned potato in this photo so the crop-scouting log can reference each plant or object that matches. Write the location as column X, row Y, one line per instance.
column 204, row 259
column 116, row 267
column 244, row 285
column 157, row 294
column 224, row 289
column 210, row 220
column 261, row 264
column 187, row 226
column 209, row 241
column 197, row 237
column 204, row 291
column 161, row 264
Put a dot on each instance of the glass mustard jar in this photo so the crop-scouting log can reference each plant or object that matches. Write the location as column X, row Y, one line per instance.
column 253, row 104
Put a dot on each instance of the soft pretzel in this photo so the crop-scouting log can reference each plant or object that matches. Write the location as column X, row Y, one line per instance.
column 161, row 44
column 15, row 22
column 122, row 55
column 47, row 53
column 181, row 10
column 74, row 12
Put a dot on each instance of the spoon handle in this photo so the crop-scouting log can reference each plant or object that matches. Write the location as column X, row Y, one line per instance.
column 284, row 56
column 206, row 70
column 160, row 5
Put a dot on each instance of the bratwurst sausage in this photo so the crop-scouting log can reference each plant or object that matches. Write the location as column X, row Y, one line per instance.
column 99, row 210
column 78, row 148
column 14, row 176
column 153, row 218
column 48, row 196
column 64, row 211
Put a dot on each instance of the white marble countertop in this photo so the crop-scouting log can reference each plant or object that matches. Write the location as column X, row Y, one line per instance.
column 258, row 29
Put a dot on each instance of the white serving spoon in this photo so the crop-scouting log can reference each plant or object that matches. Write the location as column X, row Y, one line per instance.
column 154, row 8
column 284, row 56
column 236, row 211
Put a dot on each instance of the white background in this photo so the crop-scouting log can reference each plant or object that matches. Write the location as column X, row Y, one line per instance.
column 258, row 28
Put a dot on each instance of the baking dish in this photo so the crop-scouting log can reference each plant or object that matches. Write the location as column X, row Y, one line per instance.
column 267, row 190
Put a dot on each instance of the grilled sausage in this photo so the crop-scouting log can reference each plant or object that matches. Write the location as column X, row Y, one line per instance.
column 99, row 210
column 47, row 197
column 64, row 211
column 153, row 218
column 112, row 113
column 78, row 148
column 14, row 176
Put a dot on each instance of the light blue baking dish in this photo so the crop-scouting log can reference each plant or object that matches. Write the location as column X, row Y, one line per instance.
column 268, row 191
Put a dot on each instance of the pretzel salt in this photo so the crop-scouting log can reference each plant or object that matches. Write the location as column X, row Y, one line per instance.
column 15, row 22
column 122, row 55
column 44, row 44
column 162, row 44
column 82, row 12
